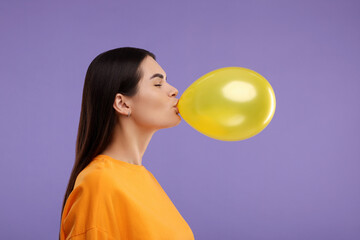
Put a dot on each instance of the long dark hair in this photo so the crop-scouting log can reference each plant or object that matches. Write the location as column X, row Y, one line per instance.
column 111, row 72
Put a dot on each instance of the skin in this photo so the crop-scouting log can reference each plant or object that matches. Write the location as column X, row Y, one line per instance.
column 152, row 108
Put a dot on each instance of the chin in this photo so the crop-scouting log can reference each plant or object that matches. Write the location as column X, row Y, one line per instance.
column 178, row 122
column 173, row 123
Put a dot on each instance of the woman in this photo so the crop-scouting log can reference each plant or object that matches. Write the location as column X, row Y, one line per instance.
column 110, row 194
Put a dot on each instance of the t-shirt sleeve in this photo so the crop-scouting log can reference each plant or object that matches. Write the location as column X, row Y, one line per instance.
column 87, row 213
column 92, row 234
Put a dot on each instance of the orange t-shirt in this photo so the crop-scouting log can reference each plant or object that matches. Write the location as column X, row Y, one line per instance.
column 113, row 199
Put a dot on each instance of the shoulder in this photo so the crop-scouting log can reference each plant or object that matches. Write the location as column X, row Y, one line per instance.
column 85, row 209
column 92, row 186
column 95, row 176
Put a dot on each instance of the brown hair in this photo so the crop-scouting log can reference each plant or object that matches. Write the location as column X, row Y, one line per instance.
column 111, row 72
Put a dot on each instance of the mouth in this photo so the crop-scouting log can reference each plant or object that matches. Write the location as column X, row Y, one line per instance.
column 175, row 106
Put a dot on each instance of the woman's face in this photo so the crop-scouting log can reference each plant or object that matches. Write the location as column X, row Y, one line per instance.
column 154, row 104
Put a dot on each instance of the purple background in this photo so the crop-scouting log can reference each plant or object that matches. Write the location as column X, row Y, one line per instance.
column 297, row 179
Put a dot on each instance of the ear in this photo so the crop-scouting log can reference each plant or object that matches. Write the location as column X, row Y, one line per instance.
column 122, row 104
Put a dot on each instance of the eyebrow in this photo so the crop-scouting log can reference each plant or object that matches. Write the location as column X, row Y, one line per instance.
column 158, row 75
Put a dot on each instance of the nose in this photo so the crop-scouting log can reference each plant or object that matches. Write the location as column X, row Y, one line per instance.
column 174, row 92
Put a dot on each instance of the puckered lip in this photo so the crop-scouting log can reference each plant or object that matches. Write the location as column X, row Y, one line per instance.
column 175, row 106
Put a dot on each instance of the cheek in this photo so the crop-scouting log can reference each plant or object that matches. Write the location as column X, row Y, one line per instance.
column 152, row 104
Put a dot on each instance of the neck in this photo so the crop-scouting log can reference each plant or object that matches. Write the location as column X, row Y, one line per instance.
column 129, row 142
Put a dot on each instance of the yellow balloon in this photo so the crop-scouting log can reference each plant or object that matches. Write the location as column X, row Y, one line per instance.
column 228, row 104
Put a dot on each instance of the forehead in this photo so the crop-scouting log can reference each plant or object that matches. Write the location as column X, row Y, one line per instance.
column 149, row 67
